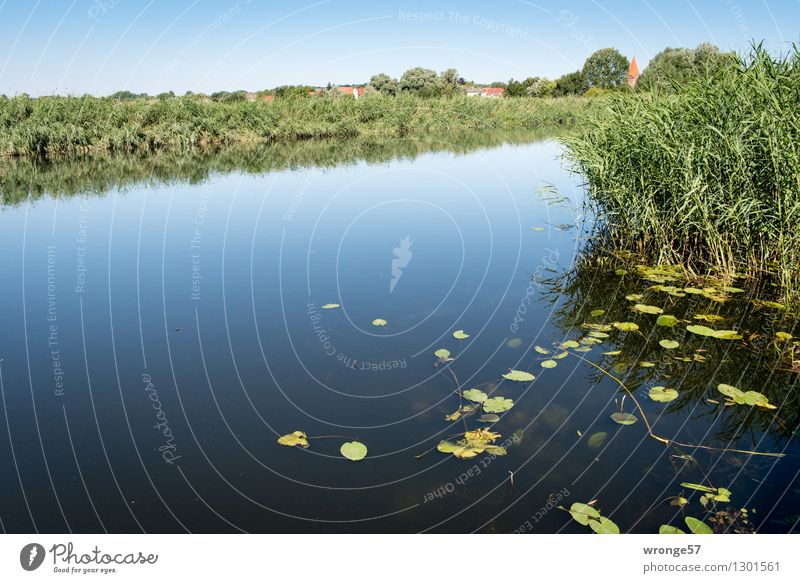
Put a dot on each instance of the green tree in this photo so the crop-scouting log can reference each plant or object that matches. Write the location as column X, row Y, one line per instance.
column 383, row 84
column 678, row 66
column 450, row 82
column 421, row 81
column 541, row 87
column 570, row 84
column 606, row 68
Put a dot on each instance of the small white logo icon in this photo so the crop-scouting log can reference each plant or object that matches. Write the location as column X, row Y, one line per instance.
column 31, row 556
column 402, row 257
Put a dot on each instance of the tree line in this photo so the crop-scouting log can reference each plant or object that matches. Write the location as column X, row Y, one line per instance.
column 605, row 70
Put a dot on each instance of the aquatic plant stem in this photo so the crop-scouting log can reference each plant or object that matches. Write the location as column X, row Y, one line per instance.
column 664, row 440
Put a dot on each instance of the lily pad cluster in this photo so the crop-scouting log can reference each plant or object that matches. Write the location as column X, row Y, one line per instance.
column 588, row 515
column 738, row 397
column 472, row 444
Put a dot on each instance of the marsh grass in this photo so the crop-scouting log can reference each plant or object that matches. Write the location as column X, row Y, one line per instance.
column 708, row 176
column 68, row 125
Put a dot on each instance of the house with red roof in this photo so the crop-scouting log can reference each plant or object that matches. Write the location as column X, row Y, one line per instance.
column 356, row 92
column 491, row 92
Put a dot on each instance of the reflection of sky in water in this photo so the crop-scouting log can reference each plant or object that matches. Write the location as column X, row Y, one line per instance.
column 215, row 291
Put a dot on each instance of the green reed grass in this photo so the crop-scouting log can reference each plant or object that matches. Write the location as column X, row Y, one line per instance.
column 707, row 176
column 79, row 124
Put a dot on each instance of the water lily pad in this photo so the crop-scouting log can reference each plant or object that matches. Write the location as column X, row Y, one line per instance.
column 330, row 306
column 460, row 335
column 613, row 352
column 489, row 418
column 541, row 350
column 662, row 394
column 626, row 326
column 697, row 526
column 570, row 344
column 667, row 529
column 294, row 438
column 708, row 317
column 624, row 418
column 634, row 297
column 603, row 526
column 497, row 405
column 519, row 375
column 597, row 439
column 561, row 355
column 666, row 320
column 583, row 512
column 598, row 334
column 475, row 395
column 594, row 313
column 442, row 354
column 706, row 331
column 668, row 344
column 379, row 322
column 645, row 309
column 647, row 364
column 549, row 364
column 354, row 450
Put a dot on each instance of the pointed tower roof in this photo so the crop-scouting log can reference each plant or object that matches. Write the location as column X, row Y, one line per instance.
column 633, row 70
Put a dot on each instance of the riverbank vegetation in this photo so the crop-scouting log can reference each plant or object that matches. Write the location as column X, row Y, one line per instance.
column 69, row 125
column 705, row 174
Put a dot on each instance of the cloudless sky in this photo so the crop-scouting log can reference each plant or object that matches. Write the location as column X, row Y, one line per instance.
column 101, row 46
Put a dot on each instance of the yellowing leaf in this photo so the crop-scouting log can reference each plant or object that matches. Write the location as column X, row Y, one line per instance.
column 668, row 344
column 549, row 363
column 645, row 309
column 583, row 512
column 541, row 350
column 497, row 405
column 330, row 306
column 475, row 395
column 442, row 354
column 626, row 326
column 379, row 322
column 460, row 335
column 624, row 418
column 666, row 320
column 662, row 394
column 294, row 438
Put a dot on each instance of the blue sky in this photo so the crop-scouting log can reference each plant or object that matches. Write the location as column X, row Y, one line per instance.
column 100, row 46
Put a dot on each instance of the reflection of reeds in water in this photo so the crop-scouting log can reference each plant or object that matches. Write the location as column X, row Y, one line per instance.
column 98, row 173
column 708, row 175
column 755, row 362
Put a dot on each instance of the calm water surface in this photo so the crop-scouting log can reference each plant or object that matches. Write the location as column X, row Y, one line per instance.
column 163, row 326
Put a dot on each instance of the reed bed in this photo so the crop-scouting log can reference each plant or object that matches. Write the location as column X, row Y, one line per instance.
column 68, row 125
column 708, row 175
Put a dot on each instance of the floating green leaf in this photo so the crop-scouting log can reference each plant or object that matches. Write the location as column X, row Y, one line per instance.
column 626, row 326
column 597, row 439
column 497, row 405
column 783, row 336
column 519, row 375
column 603, row 526
column 354, row 450
column 613, row 352
column 541, row 350
column 645, row 309
column 475, row 395
column 667, row 529
column 647, row 364
column 620, row 271
column 379, row 322
column 697, row 526
column 624, row 418
column 549, row 363
column 330, row 306
column 583, row 512
column 597, row 313
column 294, row 438
column 666, row 320
column 561, row 355
column 570, row 344
column 489, row 418
column 598, row 334
column 706, row 331
column 708, row 317
column 442, row 354
column 634, row 297
column 460, row 335
column 698, row 487
column 662, row 395
column 668, row 344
